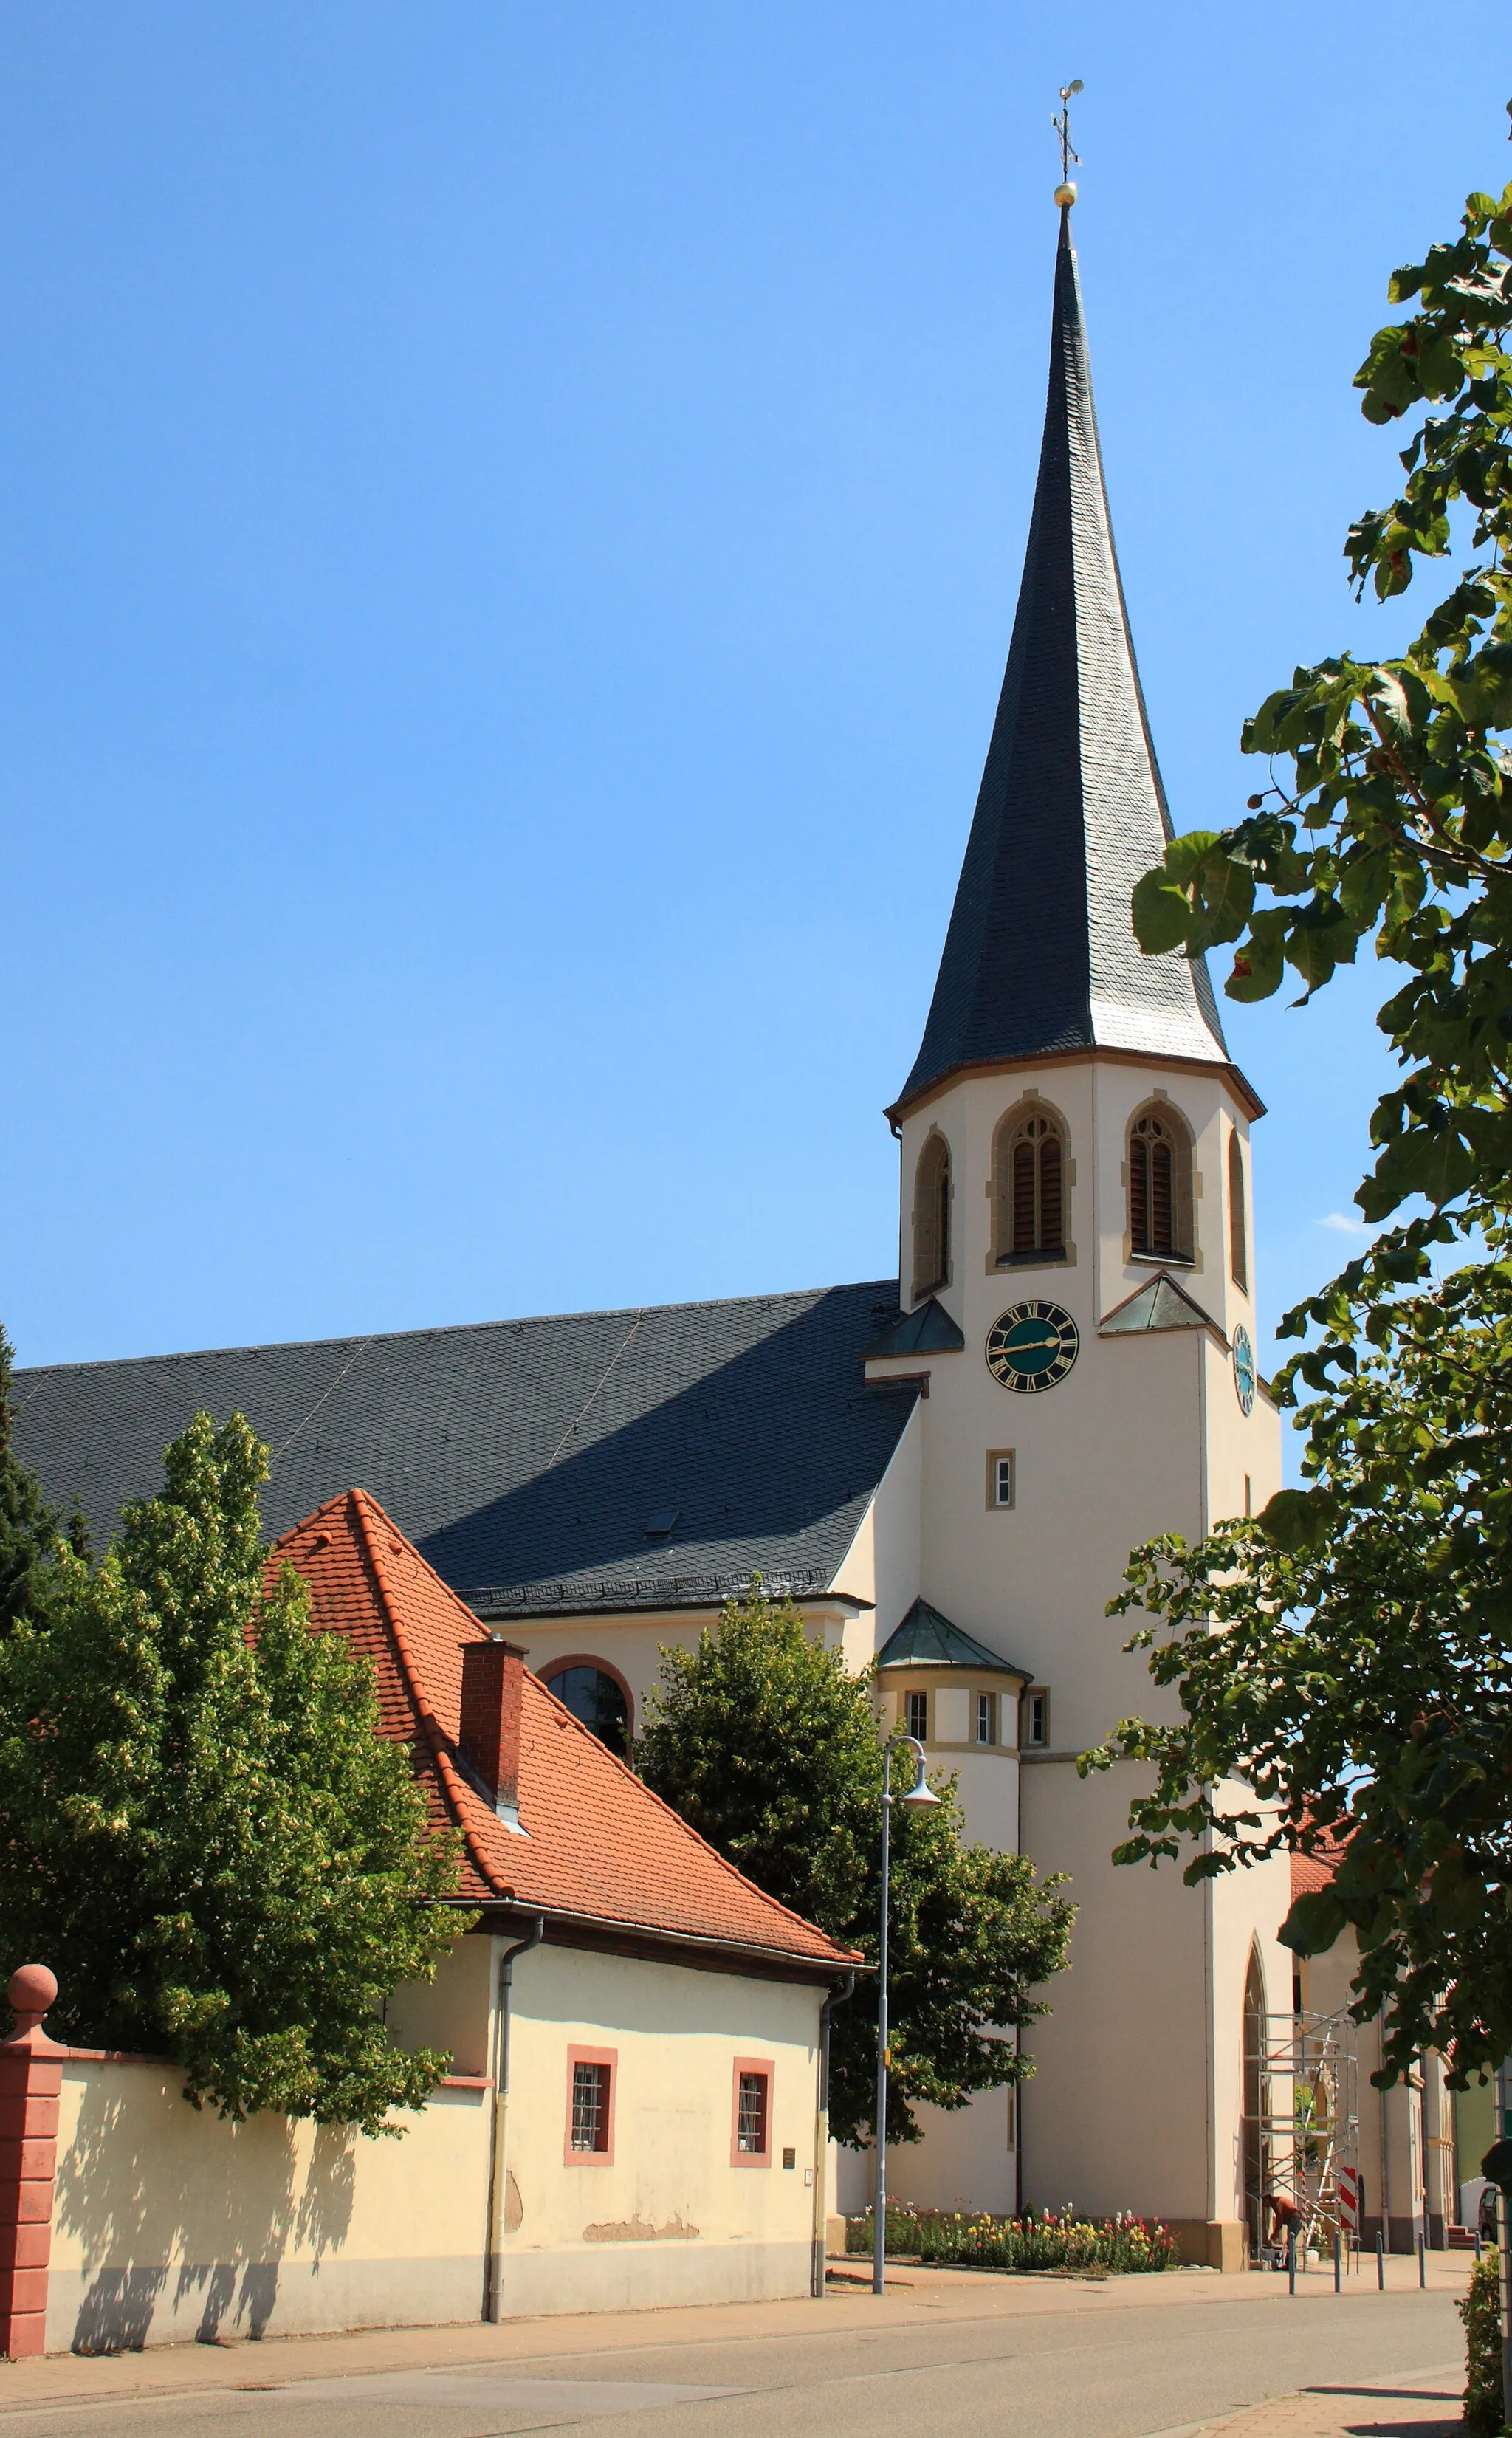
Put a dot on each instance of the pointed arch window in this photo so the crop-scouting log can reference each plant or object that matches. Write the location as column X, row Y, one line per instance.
column 1030, row 1165
column 1237, row 1243
column 931, row 1217
column 1160, row 1191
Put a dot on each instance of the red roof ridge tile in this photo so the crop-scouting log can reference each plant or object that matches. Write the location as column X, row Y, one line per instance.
column 365, row 1516
column 368, row 1511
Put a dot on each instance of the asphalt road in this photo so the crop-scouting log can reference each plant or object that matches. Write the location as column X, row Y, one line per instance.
column 1112, row 2368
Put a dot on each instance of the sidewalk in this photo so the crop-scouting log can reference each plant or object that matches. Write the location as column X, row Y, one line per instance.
column 1424, row 2403
column 916, row 2298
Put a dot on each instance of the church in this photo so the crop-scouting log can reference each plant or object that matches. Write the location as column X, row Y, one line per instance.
column 946, row 1471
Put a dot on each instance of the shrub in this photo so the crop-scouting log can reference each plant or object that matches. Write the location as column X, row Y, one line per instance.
column 1481, row 2310
column 1125, row 2245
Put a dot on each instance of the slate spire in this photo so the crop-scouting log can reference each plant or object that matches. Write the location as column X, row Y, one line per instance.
column 1041, row 953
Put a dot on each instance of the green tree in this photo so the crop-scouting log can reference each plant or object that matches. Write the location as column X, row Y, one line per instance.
column 765, row 1746
column 1360, row 1681
column 204, row 1835
column 1388, row 817
column 31, row 1531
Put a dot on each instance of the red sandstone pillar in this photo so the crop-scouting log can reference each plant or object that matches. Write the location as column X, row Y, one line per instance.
column 30, row 2081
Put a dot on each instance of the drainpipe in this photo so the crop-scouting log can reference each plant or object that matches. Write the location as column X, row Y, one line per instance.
column 821, row 2130
column 1385, row 2135
column 498, row 2167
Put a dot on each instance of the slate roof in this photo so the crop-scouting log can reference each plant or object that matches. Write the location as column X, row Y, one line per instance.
column 1162, row 1302
column 928, row 1639
column 598, row 1846
column 1040, row 954
column 526, row 1458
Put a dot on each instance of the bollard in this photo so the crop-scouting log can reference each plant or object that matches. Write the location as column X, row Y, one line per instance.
column 1290, row 2260
column 31, row 2083
column 1422, row 2262
column 1477, row 2242
column 1380, row 2262
column 1336, row 2264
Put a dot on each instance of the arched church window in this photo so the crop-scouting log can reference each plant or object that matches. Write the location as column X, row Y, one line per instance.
column 931, row 1217
column 1159, row 1187
column 1029, row 1180
column 1237, row 1245
column 597, row 1698
column 1255, row 2121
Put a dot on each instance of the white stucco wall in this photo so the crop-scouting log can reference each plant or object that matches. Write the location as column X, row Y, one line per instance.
column 1136, row 2097
column 171, row 2223
column 669, row 2218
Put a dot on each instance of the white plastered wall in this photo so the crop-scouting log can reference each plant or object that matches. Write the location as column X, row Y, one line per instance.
column 670, row 2220
column 1135, row 2101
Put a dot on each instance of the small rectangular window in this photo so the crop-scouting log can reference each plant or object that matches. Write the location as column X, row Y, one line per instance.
column 790, row 2155
column 750, row 2131
column 589, row 2117
column 1036, row 1718
column 916, row 1711
column 1000, row 1470
column 987, row 1718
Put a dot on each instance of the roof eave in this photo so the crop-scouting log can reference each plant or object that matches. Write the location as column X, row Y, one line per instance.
column 1240, row 1085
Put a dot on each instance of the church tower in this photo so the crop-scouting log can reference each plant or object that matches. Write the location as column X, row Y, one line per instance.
column 1075, row 1258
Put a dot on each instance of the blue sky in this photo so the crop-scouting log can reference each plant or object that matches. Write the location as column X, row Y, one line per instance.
column 511, row 521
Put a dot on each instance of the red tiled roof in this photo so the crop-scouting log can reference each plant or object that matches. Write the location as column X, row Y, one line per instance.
column 598, row 1846
column 1312, row 1871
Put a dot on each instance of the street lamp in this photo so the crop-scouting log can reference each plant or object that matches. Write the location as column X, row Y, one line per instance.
column 918, row 1798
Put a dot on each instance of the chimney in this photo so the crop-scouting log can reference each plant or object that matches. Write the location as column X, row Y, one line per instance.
column 488, row 1733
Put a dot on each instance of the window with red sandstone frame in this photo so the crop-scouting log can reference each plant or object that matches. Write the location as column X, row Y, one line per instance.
column 591, row 2078
column 751, row 2134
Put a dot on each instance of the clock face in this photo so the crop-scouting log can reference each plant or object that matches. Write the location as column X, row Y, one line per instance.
column 1243, row 1368
column 1031, row 1346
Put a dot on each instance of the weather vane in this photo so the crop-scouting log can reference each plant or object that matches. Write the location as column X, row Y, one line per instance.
column 1066, row 191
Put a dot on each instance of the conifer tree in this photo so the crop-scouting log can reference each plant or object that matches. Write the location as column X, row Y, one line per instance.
column 31, row 1531
column 205, row 1835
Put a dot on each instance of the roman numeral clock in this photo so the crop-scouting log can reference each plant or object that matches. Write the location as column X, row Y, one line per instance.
column 1032, row 1346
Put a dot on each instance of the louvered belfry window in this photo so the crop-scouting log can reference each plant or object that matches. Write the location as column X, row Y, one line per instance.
column 931, row 1217
column 1152, row 1214
column 1238, row 1247
column 1036, row 1188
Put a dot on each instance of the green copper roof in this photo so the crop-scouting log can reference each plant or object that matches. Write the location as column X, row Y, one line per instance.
column 1161, row 1304
column 927, row 1639
column 927, row 1331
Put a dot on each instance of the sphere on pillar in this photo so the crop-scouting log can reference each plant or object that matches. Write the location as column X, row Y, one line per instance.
column 31, row 1991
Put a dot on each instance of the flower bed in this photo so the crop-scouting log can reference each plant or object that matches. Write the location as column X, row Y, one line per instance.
column 1057, row 2239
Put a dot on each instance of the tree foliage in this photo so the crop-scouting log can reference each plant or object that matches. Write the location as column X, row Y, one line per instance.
column 1389, row 812
column 770, row 1750
column 31, row 1531
column 205, row 1835
column 1359, row 1678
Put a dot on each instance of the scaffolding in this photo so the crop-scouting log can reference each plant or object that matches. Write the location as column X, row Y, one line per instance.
column 1301, row 2124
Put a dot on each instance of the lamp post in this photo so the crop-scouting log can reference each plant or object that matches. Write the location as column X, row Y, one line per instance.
column 920, row 1797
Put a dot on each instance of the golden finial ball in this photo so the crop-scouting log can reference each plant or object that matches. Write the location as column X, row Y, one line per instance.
column 1065, row 194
